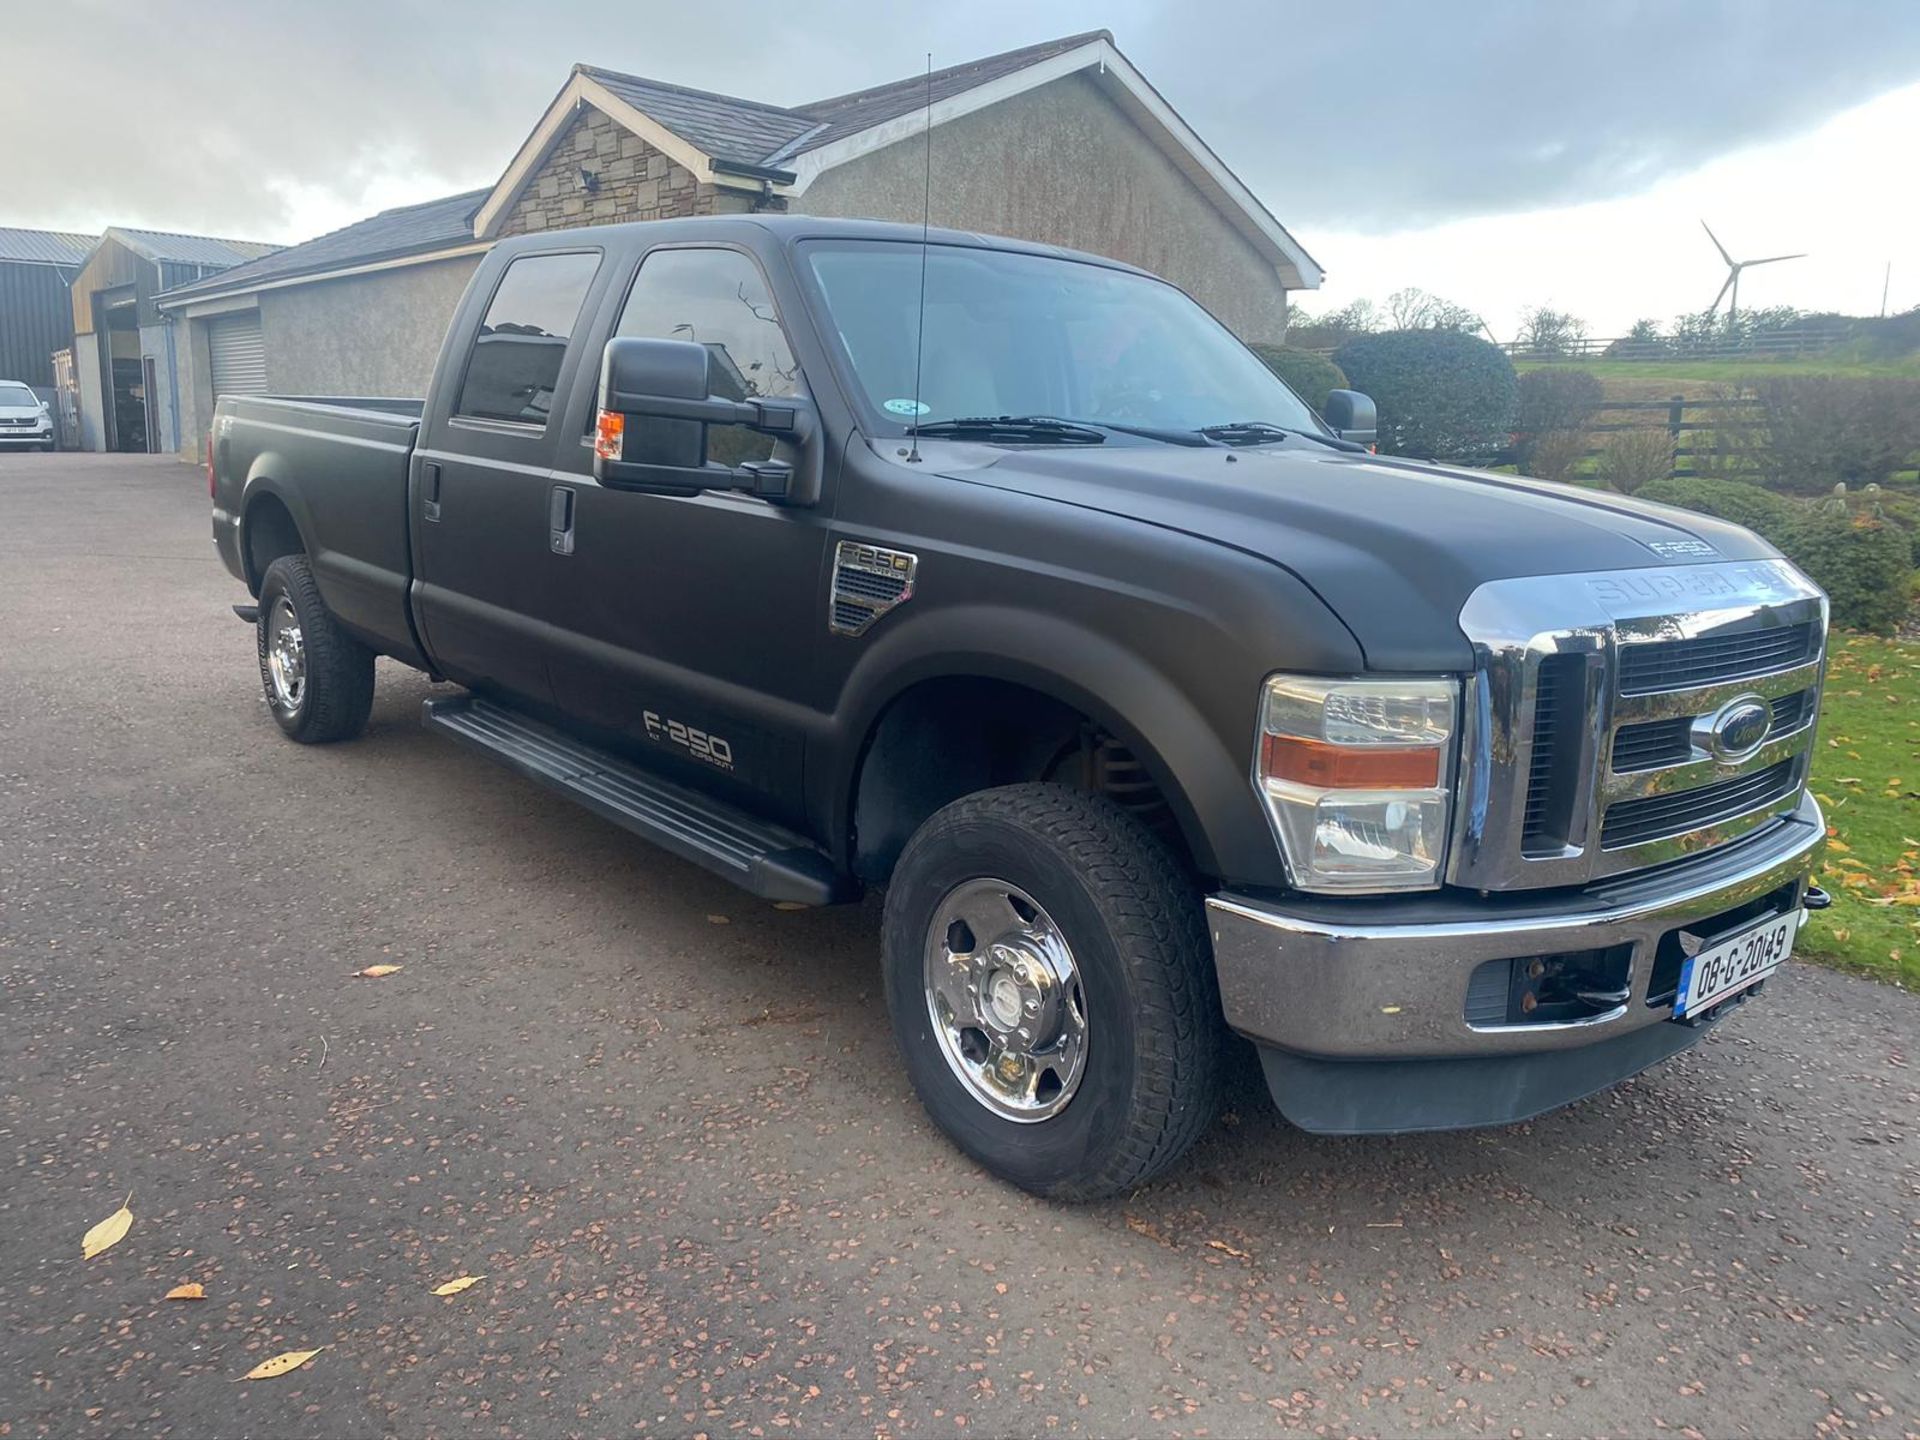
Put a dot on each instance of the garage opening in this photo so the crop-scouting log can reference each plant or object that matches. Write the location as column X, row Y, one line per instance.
column 126, row 379
column 237, row 355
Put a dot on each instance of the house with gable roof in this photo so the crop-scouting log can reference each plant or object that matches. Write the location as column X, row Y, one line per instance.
column 1063, row 142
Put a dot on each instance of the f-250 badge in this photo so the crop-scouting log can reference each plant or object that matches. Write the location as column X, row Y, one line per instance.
column 710, row 749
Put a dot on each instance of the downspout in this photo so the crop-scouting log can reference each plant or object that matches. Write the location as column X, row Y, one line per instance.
column 173, row 380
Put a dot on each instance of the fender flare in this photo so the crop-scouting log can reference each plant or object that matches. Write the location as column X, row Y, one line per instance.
column 1204, row 781
column 260, row 481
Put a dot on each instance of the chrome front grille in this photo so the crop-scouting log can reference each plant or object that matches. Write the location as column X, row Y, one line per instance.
column 1679, row 664
column 1670, row 711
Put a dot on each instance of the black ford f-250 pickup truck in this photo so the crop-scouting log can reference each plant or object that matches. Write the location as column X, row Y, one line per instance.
column 1159, row 707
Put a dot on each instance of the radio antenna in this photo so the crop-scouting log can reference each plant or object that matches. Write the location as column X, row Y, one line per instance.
column 920, row 325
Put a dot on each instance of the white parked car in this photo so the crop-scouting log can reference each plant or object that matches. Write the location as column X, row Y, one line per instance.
column 23, row 417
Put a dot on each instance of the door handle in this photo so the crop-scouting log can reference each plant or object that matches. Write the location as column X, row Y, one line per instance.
column 560, row 519
column 430, row 491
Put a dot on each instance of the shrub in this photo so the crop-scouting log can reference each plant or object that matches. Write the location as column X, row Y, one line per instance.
column 1441, row 394
column 1552, row 409
column 1863, row 560
column 1556, row 397
column 1865, row 565
column 1636, row 458
column 1311, row 376
column 1743, row 504
column 1824, row 430
column 1553, row 455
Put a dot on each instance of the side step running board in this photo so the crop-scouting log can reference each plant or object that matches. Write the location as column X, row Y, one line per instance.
column 769, row 861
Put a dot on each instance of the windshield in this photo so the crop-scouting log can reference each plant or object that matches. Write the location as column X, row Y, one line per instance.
column 1015, row 334
column 12, row 395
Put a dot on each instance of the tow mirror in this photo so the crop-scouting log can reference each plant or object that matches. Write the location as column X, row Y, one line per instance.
column 656, row 401
column 1351, row 416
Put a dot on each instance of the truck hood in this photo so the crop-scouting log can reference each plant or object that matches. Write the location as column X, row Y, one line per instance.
column 1394, row 547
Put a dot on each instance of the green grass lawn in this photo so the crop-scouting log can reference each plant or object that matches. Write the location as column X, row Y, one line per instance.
column 1866, row 773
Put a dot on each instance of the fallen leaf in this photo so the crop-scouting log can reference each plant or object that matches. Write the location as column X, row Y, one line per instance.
column 1836, row 843
column 280, row 1364
column 374, row 972
column 719, row 920
column 454, row 1287
column 109, row 1232
column 1227, row 1249
column 191, row 1291
column 791, row 905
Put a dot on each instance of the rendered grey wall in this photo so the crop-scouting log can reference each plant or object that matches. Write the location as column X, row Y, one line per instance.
column 1061, row 164
column 373, row 334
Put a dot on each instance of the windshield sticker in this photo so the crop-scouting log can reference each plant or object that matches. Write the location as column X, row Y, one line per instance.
column 905, row 407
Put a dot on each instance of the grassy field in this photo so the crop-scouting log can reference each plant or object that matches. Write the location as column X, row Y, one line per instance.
column 1867, row 777
column 1660, row 377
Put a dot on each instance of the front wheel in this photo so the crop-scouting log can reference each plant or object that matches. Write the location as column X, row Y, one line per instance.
column 1051, row 988
column 318, row 679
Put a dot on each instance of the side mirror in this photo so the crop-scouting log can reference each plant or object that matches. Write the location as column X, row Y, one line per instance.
column 656, row 401
column 1351, row 416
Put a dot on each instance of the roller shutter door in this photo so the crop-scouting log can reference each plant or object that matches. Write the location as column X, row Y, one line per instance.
column 239, row 355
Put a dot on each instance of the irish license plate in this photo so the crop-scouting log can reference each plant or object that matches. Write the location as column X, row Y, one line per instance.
column 1725, row 968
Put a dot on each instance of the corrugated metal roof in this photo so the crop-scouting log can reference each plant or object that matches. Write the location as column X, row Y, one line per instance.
column 403, row 230
column 165, row 246
column 45, row 247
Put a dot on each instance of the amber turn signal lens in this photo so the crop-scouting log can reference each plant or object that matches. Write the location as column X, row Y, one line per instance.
column 610, row 435
column 1348, row 767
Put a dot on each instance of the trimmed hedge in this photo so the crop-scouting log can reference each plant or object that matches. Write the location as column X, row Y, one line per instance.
column 1441, row 394
column 1865, row 566
column 1863, row 561
column 1308, row 375
column 1733, row 500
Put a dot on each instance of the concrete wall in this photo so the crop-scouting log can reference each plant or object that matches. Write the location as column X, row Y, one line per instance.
column 86, row 374
column 373, row 334
column 1062, row 165
column 162, row 416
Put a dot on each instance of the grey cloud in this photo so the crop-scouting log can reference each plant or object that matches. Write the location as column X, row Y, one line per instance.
column 194, row 116
column 1383, row 115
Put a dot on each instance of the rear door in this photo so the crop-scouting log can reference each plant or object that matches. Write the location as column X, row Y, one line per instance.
column 483, row 476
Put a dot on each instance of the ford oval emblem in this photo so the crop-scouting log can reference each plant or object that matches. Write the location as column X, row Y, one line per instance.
column 1739, row 729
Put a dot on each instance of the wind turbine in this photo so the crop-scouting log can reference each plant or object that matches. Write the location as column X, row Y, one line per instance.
column 1734, row 267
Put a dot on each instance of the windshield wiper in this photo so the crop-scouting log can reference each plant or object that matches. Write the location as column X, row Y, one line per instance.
column 1255, row 432
column 1044, row 429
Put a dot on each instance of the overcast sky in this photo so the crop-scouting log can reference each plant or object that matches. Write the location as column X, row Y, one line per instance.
column 1496, row 152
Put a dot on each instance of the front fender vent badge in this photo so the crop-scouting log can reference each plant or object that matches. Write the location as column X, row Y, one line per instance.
column 868, row 581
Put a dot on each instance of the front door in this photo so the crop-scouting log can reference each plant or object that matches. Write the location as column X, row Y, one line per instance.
column 693, row 622
column 482, row 479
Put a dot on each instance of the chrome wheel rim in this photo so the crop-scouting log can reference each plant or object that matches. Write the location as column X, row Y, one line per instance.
column 1005, row 1000
column 286, row 655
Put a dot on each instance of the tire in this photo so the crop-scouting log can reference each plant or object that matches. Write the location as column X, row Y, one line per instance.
column 334, row 691
column 1148, row 1077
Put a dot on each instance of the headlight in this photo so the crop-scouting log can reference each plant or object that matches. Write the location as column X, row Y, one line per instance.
column 1356, row 776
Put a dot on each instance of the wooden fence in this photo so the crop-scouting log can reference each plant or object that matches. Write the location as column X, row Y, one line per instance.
column 1765, row 345
column 1719, row 430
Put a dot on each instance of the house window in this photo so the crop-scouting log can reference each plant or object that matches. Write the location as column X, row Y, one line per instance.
column 514, row 366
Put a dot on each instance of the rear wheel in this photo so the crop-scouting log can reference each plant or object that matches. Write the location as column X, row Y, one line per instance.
column 318, row 679
column 1052, row 991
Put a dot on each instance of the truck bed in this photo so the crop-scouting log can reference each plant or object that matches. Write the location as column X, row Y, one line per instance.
column 275, row 450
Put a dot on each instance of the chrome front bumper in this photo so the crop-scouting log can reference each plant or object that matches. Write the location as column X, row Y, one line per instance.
column 1387, row 979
